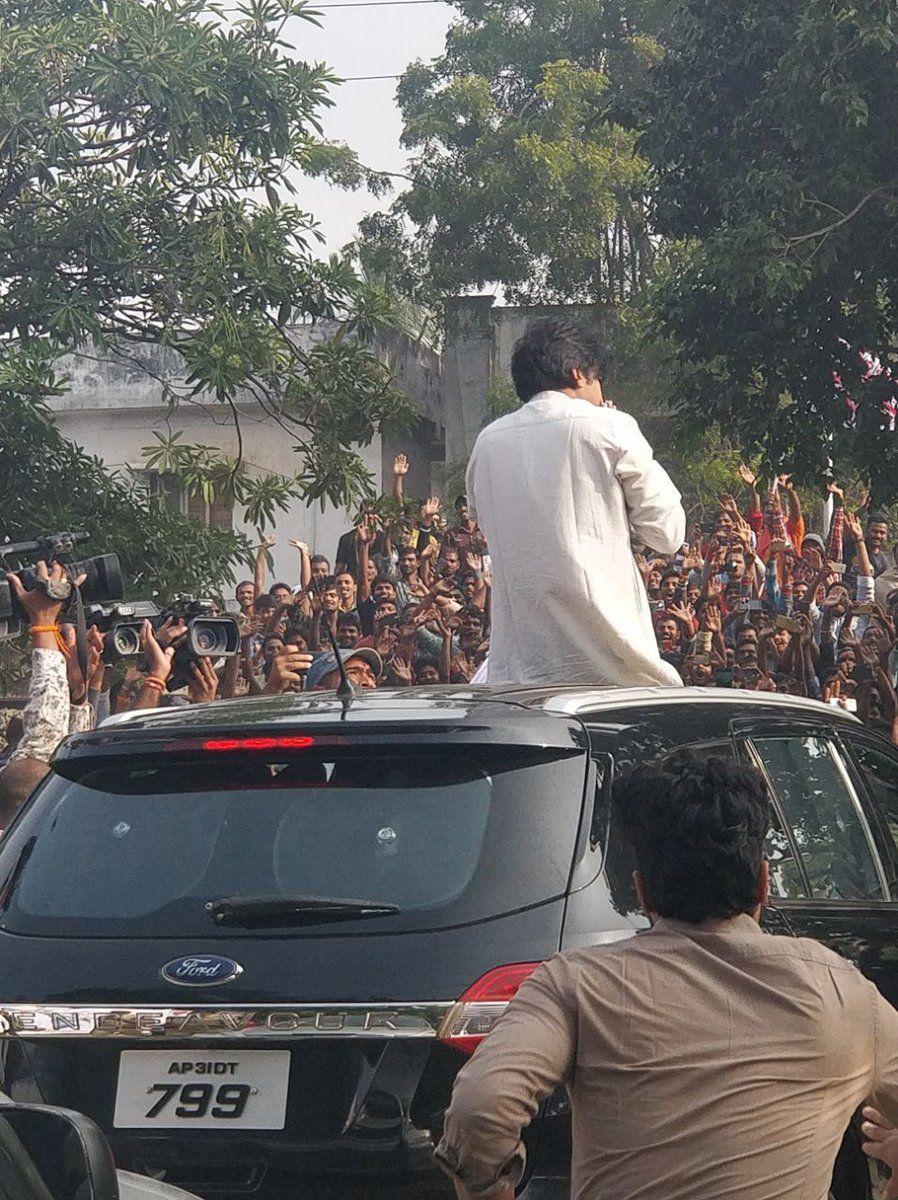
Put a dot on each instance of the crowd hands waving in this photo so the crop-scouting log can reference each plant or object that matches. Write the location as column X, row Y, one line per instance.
column 758, row 602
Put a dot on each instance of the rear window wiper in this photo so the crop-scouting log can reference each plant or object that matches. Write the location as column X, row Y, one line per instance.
column 257, row 912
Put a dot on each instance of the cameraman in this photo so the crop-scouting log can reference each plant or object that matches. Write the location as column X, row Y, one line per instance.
column 57, row 695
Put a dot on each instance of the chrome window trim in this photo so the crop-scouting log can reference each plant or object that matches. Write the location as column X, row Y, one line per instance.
column 220, row 1021
column 602, row 701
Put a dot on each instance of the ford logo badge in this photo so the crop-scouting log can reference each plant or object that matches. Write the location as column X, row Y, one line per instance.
column 201, row 970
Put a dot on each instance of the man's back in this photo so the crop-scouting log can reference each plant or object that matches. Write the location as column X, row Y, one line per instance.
column 558, row 486
column 702, row 1061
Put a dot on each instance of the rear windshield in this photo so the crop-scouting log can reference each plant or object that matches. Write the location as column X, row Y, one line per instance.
column 141, row 848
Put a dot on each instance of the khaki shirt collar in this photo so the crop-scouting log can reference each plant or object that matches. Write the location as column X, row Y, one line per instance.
column 741, row 928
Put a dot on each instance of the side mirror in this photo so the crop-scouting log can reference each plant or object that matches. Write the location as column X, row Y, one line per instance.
column 53, row 1154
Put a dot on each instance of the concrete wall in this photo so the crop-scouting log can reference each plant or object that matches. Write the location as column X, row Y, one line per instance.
column 480, row 338
column 114, row 407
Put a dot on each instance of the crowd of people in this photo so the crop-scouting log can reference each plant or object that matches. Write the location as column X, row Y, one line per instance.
column 754, row 601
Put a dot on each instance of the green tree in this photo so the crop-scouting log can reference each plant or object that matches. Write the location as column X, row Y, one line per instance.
column 146, row 148
column 525, row 168
column 48, row 484
column 771, row 130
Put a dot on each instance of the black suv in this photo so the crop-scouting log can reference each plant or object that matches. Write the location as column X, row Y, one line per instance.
column 256, row 940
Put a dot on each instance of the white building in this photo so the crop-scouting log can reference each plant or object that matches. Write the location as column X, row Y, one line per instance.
column 113, row 407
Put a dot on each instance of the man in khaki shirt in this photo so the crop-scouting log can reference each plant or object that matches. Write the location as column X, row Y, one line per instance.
column 703, row 1058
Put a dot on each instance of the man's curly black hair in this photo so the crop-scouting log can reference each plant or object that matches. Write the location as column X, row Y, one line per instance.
column 698, row 827
column 546, row 357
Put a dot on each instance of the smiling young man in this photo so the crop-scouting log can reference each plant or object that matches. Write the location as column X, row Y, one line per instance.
column 566, row 482
column 703, row 1058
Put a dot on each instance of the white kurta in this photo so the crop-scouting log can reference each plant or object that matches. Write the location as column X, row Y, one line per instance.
column 559, row 488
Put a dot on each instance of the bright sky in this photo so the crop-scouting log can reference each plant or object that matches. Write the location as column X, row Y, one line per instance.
column 365, row 41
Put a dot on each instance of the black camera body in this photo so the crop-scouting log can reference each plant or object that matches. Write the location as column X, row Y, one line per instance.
column 208, row 635
column 103, row 582
column 121, row 623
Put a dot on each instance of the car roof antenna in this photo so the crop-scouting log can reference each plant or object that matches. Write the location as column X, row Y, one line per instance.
column 345, row 692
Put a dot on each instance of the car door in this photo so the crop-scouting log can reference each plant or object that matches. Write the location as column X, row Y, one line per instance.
column 831, row 873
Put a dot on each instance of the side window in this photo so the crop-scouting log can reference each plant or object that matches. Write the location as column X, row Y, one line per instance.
column 880, row 772
column 827, row 825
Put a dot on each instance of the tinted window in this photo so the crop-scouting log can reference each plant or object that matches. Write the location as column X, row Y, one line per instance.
column 828, row 829
column 446, row 838
column 880, row 771
column 880, row 774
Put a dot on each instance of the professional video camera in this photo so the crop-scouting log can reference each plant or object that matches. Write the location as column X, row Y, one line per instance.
column 208, row 635
column 121, row 623
column 103, row 576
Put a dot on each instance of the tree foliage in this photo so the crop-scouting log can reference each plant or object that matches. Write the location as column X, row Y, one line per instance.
column 146, row 148
column 525, row 168
column 62, row 488
column 771, row 129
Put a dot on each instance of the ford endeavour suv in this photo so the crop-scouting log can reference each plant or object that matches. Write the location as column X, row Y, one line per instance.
column 256, row 940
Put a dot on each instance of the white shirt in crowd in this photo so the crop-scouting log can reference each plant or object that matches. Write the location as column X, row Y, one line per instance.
column 560, row 487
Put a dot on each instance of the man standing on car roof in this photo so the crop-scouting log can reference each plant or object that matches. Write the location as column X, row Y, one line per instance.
column 704, row 1057
column 566, row 482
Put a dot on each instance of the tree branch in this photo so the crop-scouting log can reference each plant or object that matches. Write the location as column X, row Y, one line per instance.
column 843, row 219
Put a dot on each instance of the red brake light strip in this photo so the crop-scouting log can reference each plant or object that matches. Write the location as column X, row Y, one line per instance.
column 258, row 743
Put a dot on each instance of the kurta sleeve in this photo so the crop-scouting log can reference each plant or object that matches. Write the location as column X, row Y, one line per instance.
column 46, row 715
column 656, row 515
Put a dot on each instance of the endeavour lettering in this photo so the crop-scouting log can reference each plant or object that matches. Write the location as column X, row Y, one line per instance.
column 36, row 1020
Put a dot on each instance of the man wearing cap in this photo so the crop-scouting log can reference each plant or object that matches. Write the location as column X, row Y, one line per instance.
column 363, row 668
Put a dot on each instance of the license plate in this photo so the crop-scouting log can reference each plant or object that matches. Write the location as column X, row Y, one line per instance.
column 208, row 1089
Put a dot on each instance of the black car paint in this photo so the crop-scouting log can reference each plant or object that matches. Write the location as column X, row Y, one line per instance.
column 386, row 1097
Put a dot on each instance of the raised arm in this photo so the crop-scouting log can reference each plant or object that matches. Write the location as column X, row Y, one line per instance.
column 268, row 541
column 364, row 536
column 400, row 470
column 305, row 563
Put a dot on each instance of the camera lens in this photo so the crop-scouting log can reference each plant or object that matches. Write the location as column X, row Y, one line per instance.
column 104, row 577
column 209, row 637
column 126, row 641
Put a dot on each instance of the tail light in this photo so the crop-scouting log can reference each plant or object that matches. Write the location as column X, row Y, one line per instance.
column 259, row 743
column 476, row 1012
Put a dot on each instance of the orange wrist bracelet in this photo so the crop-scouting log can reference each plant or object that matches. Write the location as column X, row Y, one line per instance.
column 57, row 633
column 152, row 682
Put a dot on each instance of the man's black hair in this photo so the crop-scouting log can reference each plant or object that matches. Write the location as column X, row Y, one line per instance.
column 244, row 583
column 877, row 517
column 266, row 600
column 328, row 583
column 698, row 827
column 546, row 357
column 381, row 579
column 318, row 558
column 670, row 573
column 461, row 502
column 274, row 587
column 349, row 618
